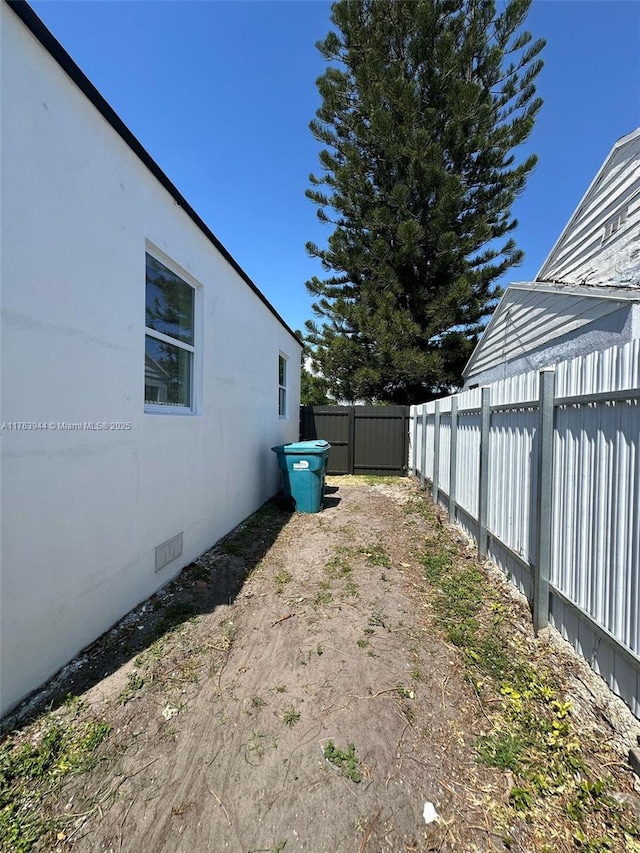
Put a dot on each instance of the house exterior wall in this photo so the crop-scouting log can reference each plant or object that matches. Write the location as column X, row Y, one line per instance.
column 600, row 242
column 614, row 329
column 83, row 510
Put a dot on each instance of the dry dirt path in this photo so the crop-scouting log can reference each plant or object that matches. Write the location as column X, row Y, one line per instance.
column 309, row 706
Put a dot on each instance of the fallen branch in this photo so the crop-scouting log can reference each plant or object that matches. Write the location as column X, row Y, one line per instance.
column 221, row 804
column 284, row 619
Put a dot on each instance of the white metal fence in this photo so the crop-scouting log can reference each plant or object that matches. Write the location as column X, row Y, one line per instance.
column 543, row 470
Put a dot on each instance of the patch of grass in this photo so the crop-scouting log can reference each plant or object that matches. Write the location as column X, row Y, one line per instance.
column 376, row 556
column 362, row 643
column 291, row 716
column 31, row 770
column 529, row 730
column 319, row 650
column 501, row 749
column 257, row 747
column 74, row 704
column 378, row 480
column 198, row 572
column 149, row 656
column 257, row 703
column 322, row 598
column 280, row 688
column 405, row 692
column 377, row 619
column 350, row 590
column 283, row 577
column 173, row 616
column 337, row 567
column 345, row 760
column 135, row 682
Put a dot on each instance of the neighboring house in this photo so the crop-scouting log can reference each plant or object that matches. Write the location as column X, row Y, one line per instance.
column 586, row 296
column 144, row 376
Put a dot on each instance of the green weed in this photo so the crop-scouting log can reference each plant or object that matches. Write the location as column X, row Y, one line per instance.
column 135, row 682
column 322, row 598
column 345, row 760
column 283, row 577
column 337, row 568
column 291, row 716
column 530, row 731
column 32, row 770
column 376, row 556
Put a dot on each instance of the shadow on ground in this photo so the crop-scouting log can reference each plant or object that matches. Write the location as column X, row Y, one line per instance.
column 214, row 579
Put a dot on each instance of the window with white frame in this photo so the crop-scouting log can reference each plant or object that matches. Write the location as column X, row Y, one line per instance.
column 169, row 339
column 282, row 386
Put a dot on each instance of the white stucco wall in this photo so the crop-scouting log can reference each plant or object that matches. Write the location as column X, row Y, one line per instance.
column 82, row 511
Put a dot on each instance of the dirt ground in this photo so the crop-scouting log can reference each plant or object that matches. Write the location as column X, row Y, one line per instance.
column 290, row 692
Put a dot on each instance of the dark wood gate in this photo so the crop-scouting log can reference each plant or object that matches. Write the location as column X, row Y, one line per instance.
column 363, row 439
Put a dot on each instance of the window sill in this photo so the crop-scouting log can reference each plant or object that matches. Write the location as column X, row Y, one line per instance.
column 169, row 410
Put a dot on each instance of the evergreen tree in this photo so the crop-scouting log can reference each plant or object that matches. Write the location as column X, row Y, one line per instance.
column 422, row 105
column 313, row 389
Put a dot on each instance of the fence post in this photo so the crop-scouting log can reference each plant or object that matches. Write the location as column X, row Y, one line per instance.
column 352, row 439
column 453, row 459
column 423, row 446
column 436, row 452
column 543, row 499
column 483, row 494
column 414, row 438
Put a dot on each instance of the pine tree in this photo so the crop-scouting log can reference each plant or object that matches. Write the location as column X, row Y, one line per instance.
column 422, row 105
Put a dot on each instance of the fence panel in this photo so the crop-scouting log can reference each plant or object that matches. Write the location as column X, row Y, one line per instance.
column 513, row 480
column 363, row 439
column 467, row 481
column 593, row 535
column 334, row 424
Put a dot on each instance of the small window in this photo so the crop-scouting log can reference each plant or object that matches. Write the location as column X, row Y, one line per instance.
column 169, row 338
column 614, row 224
column 282, row 386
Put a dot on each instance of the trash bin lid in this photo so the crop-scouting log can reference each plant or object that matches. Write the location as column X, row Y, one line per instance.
column 303, row 447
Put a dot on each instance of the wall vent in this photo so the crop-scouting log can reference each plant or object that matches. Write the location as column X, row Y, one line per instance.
column 168, row 551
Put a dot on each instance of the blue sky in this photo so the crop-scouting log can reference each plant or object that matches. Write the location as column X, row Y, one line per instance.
column 221, row 92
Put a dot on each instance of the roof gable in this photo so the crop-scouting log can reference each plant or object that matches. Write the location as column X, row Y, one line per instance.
column 599, row 244
column 531, row 314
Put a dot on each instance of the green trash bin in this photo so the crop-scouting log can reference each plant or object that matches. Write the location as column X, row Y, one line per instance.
column 303, row 466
